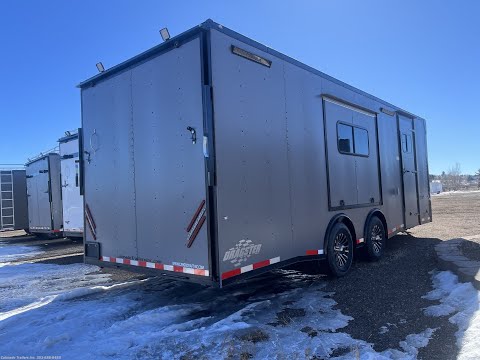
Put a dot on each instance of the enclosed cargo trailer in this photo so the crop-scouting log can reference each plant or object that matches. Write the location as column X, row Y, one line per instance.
column 212, row 158
column 13, row 200
column 44, row 195
column 72, row 200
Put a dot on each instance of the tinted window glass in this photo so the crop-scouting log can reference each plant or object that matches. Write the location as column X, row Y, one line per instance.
column 361, row 141
column 345, row 138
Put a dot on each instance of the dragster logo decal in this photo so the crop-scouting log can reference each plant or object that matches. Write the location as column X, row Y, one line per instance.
column 241, row 252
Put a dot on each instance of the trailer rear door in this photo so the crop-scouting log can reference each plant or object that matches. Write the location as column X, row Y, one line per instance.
column 38, row 193
column 144, row 168
column 72, row 201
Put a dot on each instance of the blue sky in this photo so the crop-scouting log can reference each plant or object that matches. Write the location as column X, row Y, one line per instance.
column 423, row 56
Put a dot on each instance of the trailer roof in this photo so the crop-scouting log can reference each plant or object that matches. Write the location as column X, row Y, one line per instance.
column 210, row 24
column 40, row 157
column 67, row 138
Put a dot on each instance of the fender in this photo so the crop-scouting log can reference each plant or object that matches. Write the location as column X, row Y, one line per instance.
column 333, row 221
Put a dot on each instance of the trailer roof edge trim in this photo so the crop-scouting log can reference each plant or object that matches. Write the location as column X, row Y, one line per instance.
column 68, row 138
column 210, row 24
column 40, row 157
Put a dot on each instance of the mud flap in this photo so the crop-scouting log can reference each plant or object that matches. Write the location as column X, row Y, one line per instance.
column 92, row 250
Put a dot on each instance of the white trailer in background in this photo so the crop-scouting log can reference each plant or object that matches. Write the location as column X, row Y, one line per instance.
column 436, row 187
column 44, row 195
column 72, row 200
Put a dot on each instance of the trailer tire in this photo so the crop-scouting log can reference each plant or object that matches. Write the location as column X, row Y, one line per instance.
column 375, row 239
column 339, row 250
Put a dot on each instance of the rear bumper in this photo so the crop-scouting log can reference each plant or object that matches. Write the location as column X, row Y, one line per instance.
column 198, row 279
column 45, row 231
column 76, row 234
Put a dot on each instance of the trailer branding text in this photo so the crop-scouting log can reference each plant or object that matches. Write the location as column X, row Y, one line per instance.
column 241, row 252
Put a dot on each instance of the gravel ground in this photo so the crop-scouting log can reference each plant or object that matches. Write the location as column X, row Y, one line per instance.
column 389, row 293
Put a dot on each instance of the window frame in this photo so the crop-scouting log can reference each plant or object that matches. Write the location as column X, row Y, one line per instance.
column 353, row 138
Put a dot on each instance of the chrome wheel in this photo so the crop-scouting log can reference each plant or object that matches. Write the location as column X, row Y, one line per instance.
column 341, row 250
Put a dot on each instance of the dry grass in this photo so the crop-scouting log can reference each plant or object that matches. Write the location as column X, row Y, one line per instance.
column 454, row 216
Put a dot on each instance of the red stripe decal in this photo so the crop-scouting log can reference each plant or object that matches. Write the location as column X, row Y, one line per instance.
column 56, row 231
column 261, row 264
column 231, row 273
column 189, row 227
column 91, row 230
column 159, row 266
column 196, row 231
column 312, row 252
column 89, row 214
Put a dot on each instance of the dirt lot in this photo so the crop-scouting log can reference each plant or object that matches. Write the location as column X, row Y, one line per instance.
column 389, row 293
column 455, row 215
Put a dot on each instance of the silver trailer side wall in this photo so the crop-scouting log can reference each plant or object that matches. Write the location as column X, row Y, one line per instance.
column 144, row 176
column 271, row 160
column 56, row 191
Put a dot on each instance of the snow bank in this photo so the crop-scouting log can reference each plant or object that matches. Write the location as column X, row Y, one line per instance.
column 461, row 300
column 459, row 192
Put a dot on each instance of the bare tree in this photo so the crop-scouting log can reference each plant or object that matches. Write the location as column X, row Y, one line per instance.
column 477, row 174
column 453, row 178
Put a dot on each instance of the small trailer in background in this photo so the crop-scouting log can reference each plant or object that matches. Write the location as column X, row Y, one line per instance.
column 44, row 195
column 436, row 187
column 13, row 200
column 72, row 200
column 211, row 158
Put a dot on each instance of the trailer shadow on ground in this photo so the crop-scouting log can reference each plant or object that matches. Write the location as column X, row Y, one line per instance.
column 285, row 313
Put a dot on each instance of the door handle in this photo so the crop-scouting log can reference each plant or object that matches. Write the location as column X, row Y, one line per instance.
column 193, row 132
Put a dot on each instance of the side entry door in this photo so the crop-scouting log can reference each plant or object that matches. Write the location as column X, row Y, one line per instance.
column 410, row 194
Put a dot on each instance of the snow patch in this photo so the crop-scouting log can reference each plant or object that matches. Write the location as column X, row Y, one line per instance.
column 414, row 342
column 72, row 311
column 10, row 253
column 462, row 300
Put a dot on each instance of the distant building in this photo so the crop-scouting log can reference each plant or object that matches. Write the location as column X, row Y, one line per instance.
column 436, row 187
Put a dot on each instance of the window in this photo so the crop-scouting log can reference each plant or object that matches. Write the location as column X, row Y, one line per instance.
column 352, row 140
column 360, row 137
column 345, row 138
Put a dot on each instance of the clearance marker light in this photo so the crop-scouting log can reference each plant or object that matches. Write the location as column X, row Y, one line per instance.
column 251, row 56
